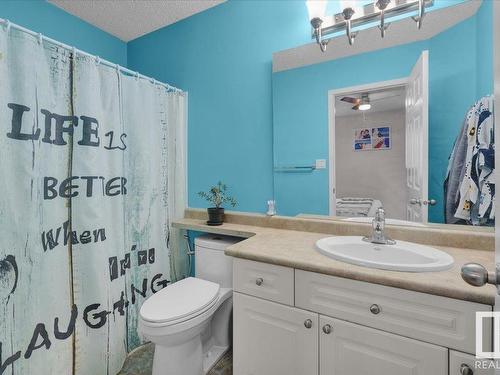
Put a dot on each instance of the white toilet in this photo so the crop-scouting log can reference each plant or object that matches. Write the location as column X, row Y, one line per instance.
column 190, row 321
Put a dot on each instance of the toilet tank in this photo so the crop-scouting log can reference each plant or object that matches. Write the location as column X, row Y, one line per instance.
column 210, row 261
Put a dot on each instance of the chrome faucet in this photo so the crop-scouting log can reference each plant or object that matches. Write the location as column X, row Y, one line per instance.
column 378, row 236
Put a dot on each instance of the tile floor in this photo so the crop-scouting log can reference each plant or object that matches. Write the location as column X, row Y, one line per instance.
column 140, row 361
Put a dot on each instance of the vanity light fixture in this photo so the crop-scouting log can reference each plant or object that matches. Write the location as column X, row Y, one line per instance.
column 348, row 13
column 352, row 17
column 316, row 10
column 421, row 13
column 382, row 5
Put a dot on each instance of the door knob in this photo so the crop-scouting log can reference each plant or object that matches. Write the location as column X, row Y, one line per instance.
column 466, row 370
column 475, row 274
column 308, row 323
column 419, row 202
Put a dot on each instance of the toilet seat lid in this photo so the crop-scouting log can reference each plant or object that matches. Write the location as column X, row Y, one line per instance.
column 179, row 300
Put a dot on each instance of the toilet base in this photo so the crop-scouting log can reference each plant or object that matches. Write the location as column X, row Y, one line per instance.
column 166, row 359
column 212, row 356
column 185, row 359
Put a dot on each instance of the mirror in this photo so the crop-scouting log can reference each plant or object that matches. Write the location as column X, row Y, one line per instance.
column 402, row 122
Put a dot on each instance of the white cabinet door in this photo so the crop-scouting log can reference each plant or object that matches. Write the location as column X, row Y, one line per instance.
column 273, row 339
column 352, row 349
column 461, row 362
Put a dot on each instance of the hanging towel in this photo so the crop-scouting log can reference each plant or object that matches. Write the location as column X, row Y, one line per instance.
column 470, row 183
column 355, row 207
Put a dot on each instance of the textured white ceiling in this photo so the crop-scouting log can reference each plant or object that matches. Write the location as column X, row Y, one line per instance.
column 130, row 19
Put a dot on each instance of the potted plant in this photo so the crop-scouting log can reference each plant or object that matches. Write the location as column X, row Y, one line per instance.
column 217, row 195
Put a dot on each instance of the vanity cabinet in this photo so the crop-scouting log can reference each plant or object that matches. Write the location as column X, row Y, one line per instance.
column 267, row 281
column 439, row 320
column 347, row 348
column 338, row 326
column 273, row 339
column 461, row 363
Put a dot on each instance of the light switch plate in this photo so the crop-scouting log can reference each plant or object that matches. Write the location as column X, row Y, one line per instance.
column 320, row 163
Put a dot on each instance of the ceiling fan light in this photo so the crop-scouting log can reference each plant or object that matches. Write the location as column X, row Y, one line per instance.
column 364, row 106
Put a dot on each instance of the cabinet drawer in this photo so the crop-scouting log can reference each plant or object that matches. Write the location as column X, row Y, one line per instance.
column 439, row 320
column 264, row 280
column 356, row 350
column 458, row 359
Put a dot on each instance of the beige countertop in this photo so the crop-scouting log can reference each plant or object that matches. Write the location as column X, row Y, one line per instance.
column 296, row 249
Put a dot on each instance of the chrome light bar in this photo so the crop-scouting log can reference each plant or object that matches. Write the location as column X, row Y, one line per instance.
column 370, row 12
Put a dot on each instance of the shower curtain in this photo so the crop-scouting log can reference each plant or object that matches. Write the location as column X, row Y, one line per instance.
column 90, row 178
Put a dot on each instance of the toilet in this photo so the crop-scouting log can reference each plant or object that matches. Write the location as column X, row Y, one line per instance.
column 190, row 321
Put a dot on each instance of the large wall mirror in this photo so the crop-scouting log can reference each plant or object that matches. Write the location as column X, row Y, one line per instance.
column 403, row 122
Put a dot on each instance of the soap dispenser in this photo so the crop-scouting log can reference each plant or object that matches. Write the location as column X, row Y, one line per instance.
column 271, row 208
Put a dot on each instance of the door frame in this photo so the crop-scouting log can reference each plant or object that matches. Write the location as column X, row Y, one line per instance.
column 496, row 76
column 332, row 94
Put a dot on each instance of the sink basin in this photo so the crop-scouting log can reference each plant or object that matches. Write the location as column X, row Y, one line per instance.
column 403, row 256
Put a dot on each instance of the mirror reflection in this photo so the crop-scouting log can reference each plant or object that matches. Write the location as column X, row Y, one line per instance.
column 404, row 123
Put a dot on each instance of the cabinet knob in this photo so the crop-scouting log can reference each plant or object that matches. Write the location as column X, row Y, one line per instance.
column 308, row 323
column 327, row 328
column 375, row 309
column 259, row 281
column 465, row 370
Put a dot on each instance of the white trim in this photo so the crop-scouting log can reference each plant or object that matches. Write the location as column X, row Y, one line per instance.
column 185, row 140
column 425, row 152
column 496, row 72
column 331, row 127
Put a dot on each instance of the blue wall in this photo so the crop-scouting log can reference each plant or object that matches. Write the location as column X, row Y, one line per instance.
column 301, row 112
column 223, row 58
column 301, row 119
column 53, row 22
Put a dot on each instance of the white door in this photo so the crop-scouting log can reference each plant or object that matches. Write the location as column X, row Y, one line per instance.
column 273, row 339
column 417, row 108
column 352, row 349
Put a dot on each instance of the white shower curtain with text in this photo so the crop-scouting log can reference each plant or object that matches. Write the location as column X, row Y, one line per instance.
column 86, row 161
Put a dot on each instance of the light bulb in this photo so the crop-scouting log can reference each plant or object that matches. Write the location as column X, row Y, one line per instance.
column 316, row 8
column 355, row 5
column 364, row 106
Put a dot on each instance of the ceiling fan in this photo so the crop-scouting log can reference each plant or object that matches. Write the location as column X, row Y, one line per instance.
column 363, row 103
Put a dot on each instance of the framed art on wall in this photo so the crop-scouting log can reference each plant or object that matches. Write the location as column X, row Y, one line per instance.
column 381, row 138
column 362, row 139
column 376, row 138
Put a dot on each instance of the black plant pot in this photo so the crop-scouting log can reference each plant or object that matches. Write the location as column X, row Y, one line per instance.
column 215, row 216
